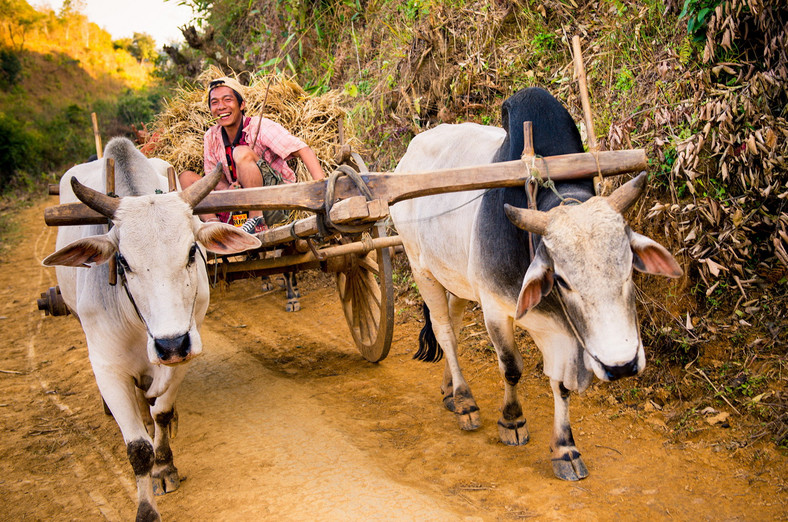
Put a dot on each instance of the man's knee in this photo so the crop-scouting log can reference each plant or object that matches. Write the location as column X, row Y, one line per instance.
column 187, row 177
column 244, row 154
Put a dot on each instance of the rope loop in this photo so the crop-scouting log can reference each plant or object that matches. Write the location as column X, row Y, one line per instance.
column 323, row 219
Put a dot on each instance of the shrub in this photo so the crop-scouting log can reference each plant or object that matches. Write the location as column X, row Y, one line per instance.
column 15, row 149
column 10, row 67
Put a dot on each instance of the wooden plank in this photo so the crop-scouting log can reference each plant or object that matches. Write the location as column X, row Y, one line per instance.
column 398, row 187
column 345, row 211
column 394, row 187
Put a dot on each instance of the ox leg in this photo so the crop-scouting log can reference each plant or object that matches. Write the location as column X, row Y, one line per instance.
column 456, row 313
column 293, row 295
column 461, row 400
column 512, row 428
column 164, row 473
column 120, row 395
column 567, row 464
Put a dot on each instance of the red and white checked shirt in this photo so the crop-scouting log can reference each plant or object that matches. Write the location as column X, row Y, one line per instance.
column 273, row 143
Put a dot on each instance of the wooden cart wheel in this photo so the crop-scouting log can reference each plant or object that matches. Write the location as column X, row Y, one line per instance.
column 367, row 296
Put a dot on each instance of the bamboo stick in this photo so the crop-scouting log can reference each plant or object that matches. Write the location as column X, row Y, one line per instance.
column 96, row 135
column 580, row 71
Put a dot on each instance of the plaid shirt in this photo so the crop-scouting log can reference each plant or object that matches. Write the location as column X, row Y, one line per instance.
column 273, row 143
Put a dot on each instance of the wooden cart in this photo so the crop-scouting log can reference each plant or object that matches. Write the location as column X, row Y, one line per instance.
column 346, row 234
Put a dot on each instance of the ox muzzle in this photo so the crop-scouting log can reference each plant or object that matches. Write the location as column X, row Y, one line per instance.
column 173, row 350
column 613, row 373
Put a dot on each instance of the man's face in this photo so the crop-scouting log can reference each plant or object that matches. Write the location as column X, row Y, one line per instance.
column 224, row 106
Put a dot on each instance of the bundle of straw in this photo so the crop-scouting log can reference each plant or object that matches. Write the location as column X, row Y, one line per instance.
column 178, row 130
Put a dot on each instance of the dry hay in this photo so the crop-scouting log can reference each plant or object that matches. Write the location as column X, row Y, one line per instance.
column 179, row 128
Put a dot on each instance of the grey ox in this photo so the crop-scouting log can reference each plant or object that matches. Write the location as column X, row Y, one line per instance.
column 141, row 331
column 576, row 298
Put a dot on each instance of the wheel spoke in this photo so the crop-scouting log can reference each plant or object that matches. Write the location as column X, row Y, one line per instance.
column 370, row 264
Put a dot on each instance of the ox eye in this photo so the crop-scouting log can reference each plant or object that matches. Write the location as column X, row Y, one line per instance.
column 192, row 253
column 561, row 282
column 123, row 262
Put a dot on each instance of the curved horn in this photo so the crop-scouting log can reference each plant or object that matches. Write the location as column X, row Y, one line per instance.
column 101, row 203
column 625, row 196
column 534, row 221
column 196, row 192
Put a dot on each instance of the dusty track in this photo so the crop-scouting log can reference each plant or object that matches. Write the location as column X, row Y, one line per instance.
column 281, row 419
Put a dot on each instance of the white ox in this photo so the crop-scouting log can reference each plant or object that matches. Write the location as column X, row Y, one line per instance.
column 140, row 331
column 577, row 297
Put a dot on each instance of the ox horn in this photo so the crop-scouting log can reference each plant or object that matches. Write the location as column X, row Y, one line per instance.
column 625, row 196
column 196, row 192
column 533, row 221
column 101, row 203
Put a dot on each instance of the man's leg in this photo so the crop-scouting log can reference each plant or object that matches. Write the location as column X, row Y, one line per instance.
column 249, row 174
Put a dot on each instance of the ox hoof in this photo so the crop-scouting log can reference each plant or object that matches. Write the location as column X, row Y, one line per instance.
column 513, row 433
column 568, row 468
column 267, row 285
column 468, row 417
column 293, row 305
column 469, row 421
column 166, row 481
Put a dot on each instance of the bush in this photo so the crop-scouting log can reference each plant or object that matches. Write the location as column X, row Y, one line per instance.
column 16, row 149
column 10, row 67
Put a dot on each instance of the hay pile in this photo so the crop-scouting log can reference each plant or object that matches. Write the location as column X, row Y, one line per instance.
column 178, row 130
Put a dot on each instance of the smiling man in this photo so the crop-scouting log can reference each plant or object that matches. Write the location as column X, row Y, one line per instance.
column 253, row 151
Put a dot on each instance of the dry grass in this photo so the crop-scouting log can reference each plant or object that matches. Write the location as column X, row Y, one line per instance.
column 178, row 130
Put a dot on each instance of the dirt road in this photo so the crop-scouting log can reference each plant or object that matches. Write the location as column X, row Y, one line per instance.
column 281, row 419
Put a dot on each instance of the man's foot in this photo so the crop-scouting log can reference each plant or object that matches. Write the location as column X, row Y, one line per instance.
column 250, row 225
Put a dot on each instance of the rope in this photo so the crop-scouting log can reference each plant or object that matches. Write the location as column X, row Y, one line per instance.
column 324, row 223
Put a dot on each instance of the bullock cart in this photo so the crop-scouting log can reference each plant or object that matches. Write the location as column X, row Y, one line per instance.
column 346, row 233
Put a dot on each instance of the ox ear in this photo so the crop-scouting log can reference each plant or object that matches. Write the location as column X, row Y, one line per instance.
column 94, row 249
column 652, row 258
column 222, row 238
column 538, row 282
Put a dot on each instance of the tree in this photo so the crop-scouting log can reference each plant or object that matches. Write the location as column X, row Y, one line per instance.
column 143, row 47
column 19, row 17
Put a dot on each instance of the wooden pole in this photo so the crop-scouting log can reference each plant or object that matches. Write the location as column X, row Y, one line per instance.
column 173, row 186
column 580, row 71
column 528, row 140
column 96, row 135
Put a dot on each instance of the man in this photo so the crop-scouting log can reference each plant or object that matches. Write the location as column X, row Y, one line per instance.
column 247, row 147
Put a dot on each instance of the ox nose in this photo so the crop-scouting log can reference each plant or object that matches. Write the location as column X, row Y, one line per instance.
column 173, row 349
column 623, row 370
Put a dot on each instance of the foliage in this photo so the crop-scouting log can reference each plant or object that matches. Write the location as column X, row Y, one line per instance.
column 698, row 13
column 10, row 67
column 15, row 149
column 52, row 79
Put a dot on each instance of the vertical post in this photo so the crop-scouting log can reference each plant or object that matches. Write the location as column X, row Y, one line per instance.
column 171, row 179
column 528, row 140
column 109, row 172
column 580, row 71
column 96, row 135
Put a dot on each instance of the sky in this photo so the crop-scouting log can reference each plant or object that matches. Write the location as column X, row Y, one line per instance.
column 122, row 18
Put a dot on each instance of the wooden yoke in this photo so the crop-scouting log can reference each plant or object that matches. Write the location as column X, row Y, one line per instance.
column 391, row 187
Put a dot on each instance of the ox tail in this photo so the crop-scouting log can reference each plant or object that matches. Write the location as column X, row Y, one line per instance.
column 429, row 349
